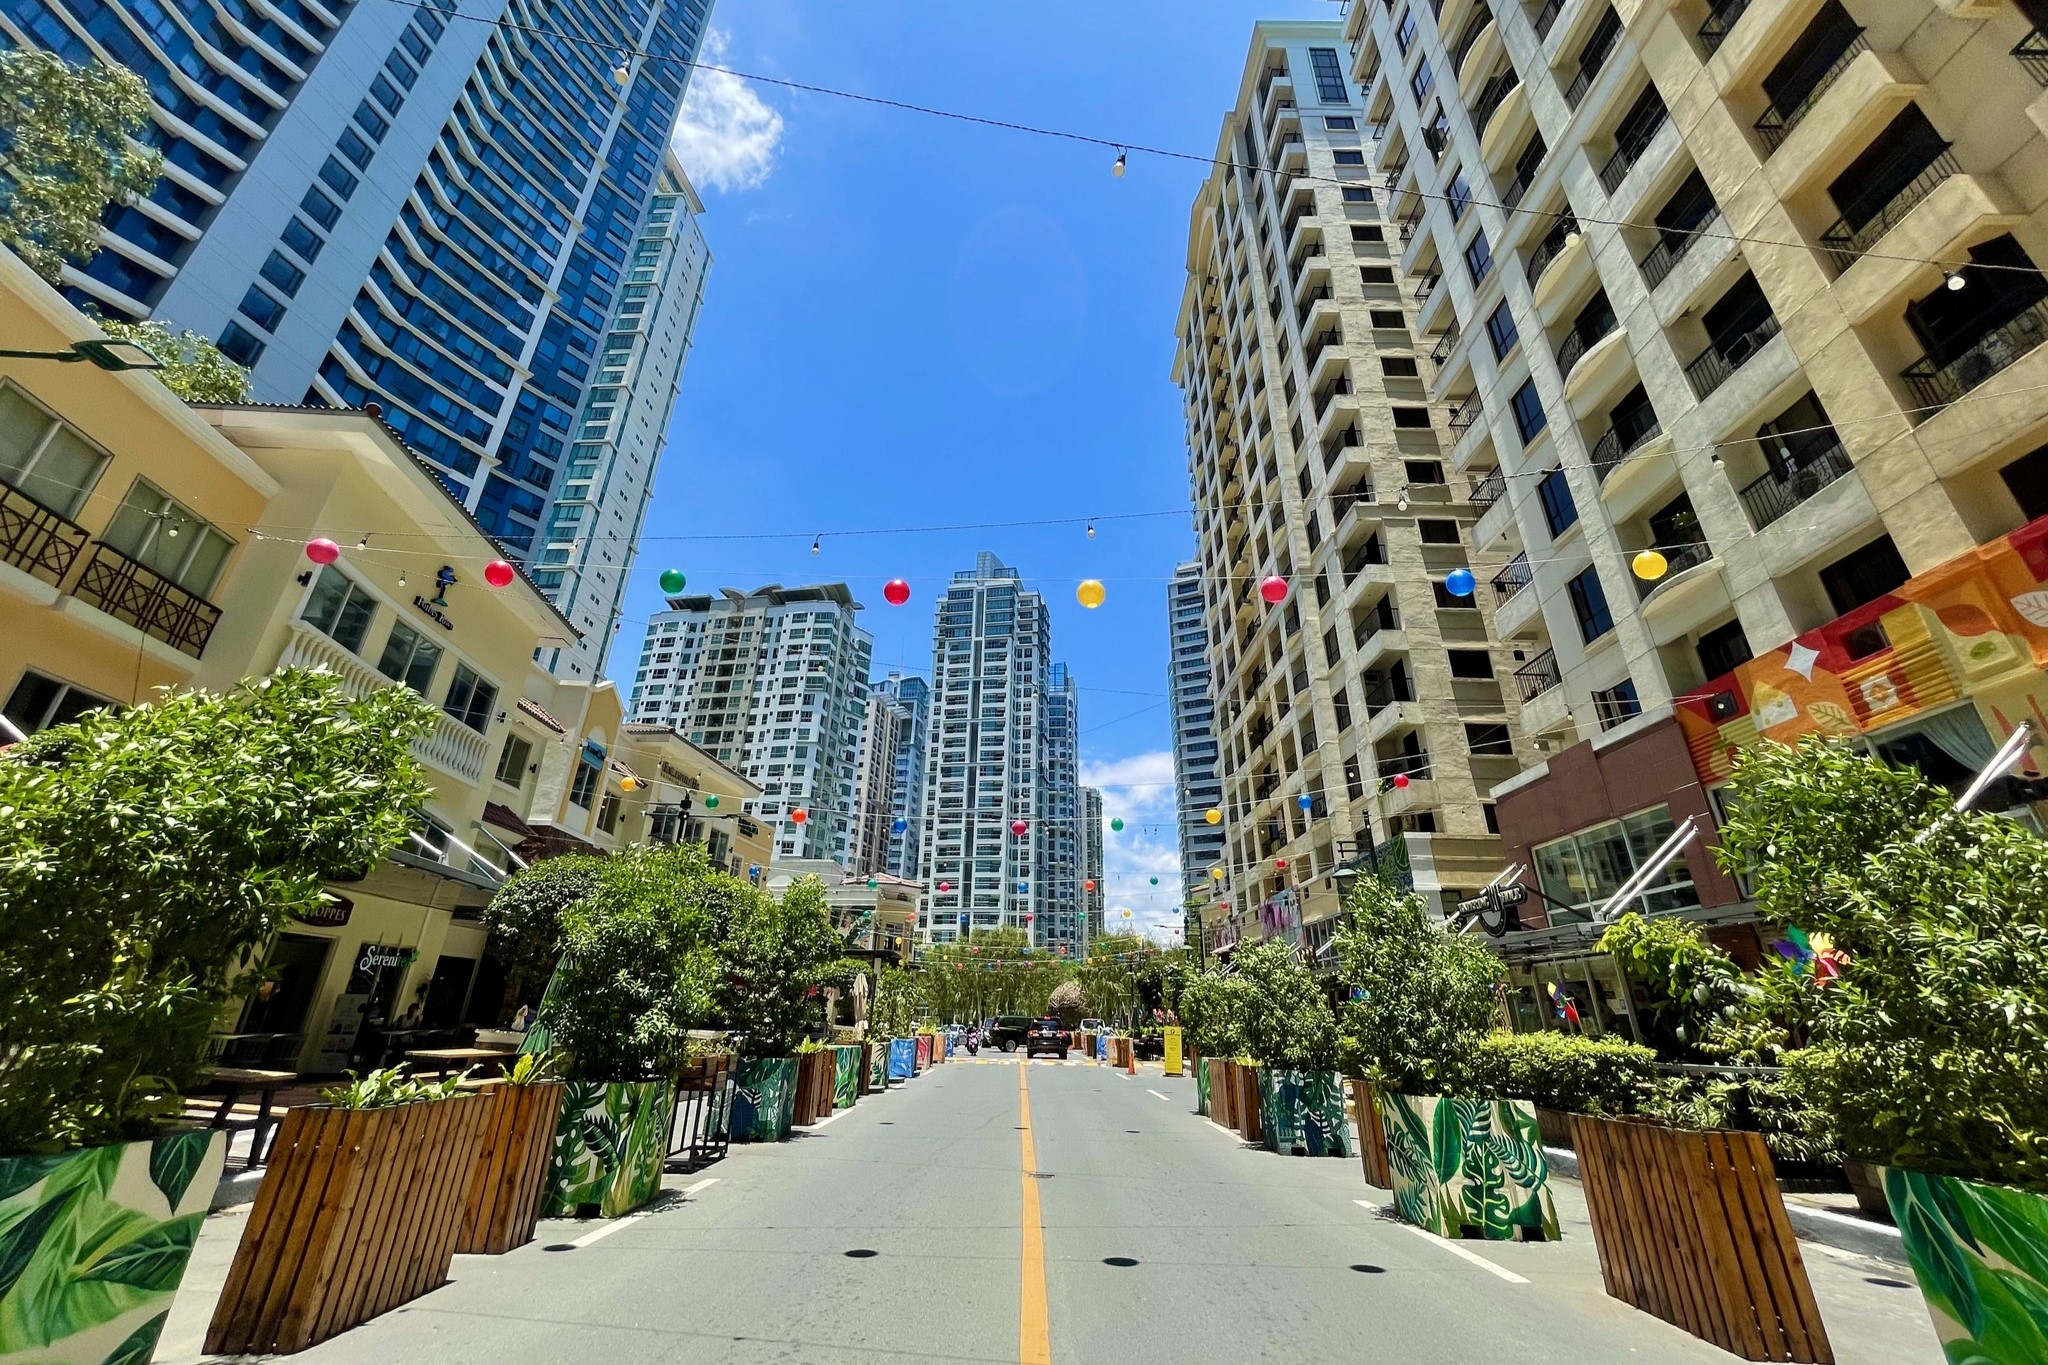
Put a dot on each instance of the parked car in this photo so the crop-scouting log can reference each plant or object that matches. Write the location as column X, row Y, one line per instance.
column 1008, row 1032
column 1093, row 1026
column 1046, row 1035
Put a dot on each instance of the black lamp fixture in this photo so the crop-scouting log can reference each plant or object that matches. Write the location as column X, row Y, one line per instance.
column 104, row 352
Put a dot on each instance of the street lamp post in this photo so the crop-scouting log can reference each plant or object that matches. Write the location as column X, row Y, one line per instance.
column 104, row 352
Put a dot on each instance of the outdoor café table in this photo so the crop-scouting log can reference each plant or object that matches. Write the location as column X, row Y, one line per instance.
column 233, row 1081
column 442, row 1060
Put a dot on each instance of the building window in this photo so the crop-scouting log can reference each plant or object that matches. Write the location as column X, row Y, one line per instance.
column 1411, row 419
column 322, row 210
column 583, row 789
column 513, row 758
column 1530, row 418
column 1437, row 532
column 1423, row 471
column 1470, row 663
column 1459, row 194
column 1489, row 741
column 1366, row 232
column 1348, row 156
column 608, row 812
column 168, row 538
column 1376, row 276
column 1617, row 704
column 1554, row 494
column 1329, row 76
column 303, row 240
column 43, row 457
column 1479, row 257
column 409, row 657
column 1585, row 869
column 261, row 309
column 339, row 609
column 1864, row 575
column 1500, row 330
column 282, row 273
column 471, row 698
column 1589, row 605
column 1723, row 649
column 1388, row 320
column 1400, row 367
column 240, row 345
column 39, row 702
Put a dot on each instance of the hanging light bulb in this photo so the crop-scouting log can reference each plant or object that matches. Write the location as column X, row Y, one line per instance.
column 364, row 543
column 1091, row 529
column 1953, row 280
column 817, row 544
column 622, row 72
column 1401, row 503
column 401, row 578
column 1118, row 169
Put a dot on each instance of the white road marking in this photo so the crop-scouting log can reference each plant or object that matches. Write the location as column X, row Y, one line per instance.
column 615, row 1224
column 838, row 1115
column 706, row 1183
column 1156, row 1093
column 1474, row 1257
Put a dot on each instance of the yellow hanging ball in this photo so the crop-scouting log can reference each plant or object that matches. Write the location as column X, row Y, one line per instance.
column 1213, row 816
column 1090, row 593
column 1649, row 565
column 1217, row 873
column 627, row 784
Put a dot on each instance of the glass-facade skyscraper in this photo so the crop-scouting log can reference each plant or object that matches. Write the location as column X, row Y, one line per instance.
column 1194, row 730
column 377, row 200
column 909, row 699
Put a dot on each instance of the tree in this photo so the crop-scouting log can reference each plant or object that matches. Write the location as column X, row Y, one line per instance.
column 1288, row 1022
column 776, row 958
column 899, row 1003
column 1213, row 1007
column 191, row 366
column 146, row 854
column 68, row 149
column 1930, row 1050
column 990, row 973
column 1067, row 1003
column 1423, row 996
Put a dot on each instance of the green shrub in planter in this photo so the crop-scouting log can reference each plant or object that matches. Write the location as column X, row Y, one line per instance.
column 1563, row 1071
column 1423, row 998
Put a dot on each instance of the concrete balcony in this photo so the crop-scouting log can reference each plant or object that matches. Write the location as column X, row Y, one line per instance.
column 1377, row 639
column 1636, row 475
column 1560, row 262
column 1500, row 134
column 1838, row 118
column 1514, row 613
column 1688, row 596
column 1392, row 719
column 1496, row 519
column 451, row 747
column 1596, row 370
column 1937, row 218
column 1478, row 59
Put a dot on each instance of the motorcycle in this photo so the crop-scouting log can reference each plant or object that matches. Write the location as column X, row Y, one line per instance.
column 973, row 1042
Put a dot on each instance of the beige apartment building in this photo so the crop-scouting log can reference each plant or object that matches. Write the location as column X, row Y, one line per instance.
column 1318, row 453
column 1743, row 299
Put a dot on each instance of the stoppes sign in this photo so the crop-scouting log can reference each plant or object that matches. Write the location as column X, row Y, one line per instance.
column 1495, row 907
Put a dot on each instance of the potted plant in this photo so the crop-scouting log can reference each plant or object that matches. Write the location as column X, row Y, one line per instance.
column 146, row 856
column 1213, row 1005
column 1421, row 1001
column 776, row 957
column 521, row 1115
column 1928, row 1053
column 311, row 1265
column 1291, row 1029
column 1563, row 1074
column 630, row 935
column 815, row 1067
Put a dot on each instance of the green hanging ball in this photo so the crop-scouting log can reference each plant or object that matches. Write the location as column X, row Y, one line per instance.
column 673, row 581
column 872, row 883
column 1155, row 881
column 1117, row 824
column 711, row 801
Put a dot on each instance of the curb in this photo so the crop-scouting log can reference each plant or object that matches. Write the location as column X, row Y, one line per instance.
column 239, row 1188
column 1825, row 1227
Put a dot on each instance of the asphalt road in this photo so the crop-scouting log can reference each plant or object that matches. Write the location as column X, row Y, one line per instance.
column 939, row 1223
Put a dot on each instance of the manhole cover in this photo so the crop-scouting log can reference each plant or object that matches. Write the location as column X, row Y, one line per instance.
column 1370, row 1269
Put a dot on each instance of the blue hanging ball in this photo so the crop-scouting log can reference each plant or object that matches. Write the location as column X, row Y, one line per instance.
column 1305, row 801
column 900, row 825
column 1460, row 583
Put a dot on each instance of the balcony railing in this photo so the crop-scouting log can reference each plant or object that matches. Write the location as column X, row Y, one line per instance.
column 1445, row 344
column 1590, row 66
column 1414, row 767
column 1553, row 243
column 1514, row 576
column 1428, row 285
column 1711, row 368
column 1672, row 249
column 1777, row 124
column 1321, row 343
column 1475, row 26
column 1845, row 244
column 1772, row 496
column 1467, row 412
column 1545, row 17
column 1489, row 490
column 1344, row 440
column 2031, row 52
column 35, row 539
column 1720, row 19
column 1621, row 441
column 1676, row 561
column 1394, row 174
column 1936, row 386
column 1328, row 393
column 1491, row 97
column 1386, row 619
column 1537, row 676
column 130, row 591
column 1630, row 151
column 1411, row 224
column 1585, row 333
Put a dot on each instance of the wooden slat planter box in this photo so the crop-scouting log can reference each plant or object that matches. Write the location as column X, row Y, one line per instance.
column 357, row 1214
column 814, row 1074
column 1222, row 1093
column 1250, row 1124
column 1372, row 1133
column 503, row 1200
column 1692, row 1229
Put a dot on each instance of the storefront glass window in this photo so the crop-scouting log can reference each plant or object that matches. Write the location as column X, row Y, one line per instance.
column 1583, row 870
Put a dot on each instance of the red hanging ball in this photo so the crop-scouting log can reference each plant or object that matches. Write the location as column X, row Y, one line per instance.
column 322, row 550
column 498, row 574
column 1017, row 827
column 1280, row 864
column 1273, row 590
column 896, row 592
column 1400, row 781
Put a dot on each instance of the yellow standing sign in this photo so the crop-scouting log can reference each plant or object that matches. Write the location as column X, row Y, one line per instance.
column 1173, row 1058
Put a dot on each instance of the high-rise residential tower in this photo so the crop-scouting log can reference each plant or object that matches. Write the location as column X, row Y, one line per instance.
column 411, row 204
column 874, row 788
column 1742, row 310
column 985, row 769
column 1062, row 922
column 1317, row 456
column 774, row 683
column 909, row 699
column 1196, row 787
column 1093, row 901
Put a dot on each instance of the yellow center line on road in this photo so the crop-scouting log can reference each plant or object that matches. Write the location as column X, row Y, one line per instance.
column 1034, row 1341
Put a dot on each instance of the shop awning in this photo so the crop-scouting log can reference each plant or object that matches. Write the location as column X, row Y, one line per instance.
column 504, row 817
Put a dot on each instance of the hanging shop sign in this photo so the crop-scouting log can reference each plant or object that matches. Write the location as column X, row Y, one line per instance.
column 331, row 913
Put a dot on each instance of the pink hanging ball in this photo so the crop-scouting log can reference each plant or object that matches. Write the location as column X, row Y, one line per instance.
column 945, row 886
column 1280, row 864
column 1017, row 827
column 1273, row 589
column 498, row 574
column 896, row 592
column 322, row 550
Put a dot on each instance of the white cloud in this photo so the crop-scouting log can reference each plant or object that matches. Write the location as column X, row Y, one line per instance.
column 726, row 137
column 1139, row 790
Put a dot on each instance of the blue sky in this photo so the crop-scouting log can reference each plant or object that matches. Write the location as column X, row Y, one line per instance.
column 913, row 322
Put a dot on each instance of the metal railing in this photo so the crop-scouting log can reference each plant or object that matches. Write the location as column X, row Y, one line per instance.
column 1768, row 498
column 1467, row 412
column 1721, row 17
column 35, row 539
column 1394, row 174
column 1415, row 767
column 1467, row 40
column 1328, row 393
column 1631, row 150
column 1344, row 440
column 1545, row 17
column 2031, row 52
column 1385, row 619
column 1445, row 344
column 1590, row 66
column 1711, row 368
column 1998, row 348
column 1489, row 490
column 1320, row 344
column 1690, row 555
column 130, row 591
column 1775, row 124
column 700, row 1128
column 1581, row 339
column 1845, row 244
column 1491, row 97
column 1672, row 248
column 1538, row 676
column 1553, row 244
column 1514, row 576
column 1619, row 443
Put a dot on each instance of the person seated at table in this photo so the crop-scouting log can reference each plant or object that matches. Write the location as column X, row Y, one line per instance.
column 411, row 1019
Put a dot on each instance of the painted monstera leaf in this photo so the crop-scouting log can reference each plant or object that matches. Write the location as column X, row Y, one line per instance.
column 1447, row 1142
column 1483, row 1197
column 1980, row 1253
